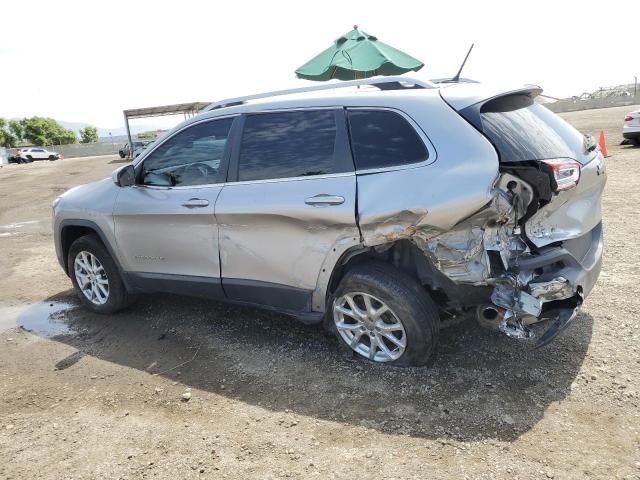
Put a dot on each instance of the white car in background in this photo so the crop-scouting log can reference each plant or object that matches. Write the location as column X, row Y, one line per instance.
column 631, row 128
column 38, row 153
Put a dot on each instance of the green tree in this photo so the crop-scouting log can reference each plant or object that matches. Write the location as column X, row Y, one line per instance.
column 7, row 138
column 16, row 128
column 89, row 134
column 46, row 131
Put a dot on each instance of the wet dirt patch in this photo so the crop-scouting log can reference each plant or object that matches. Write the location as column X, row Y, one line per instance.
column 18, row 225
column 18, row 228
column 46, row 319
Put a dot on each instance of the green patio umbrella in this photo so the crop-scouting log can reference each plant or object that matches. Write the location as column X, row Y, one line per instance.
column 357, row 55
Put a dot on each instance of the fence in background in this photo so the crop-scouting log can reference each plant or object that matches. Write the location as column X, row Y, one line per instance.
column 575, row 104
column 4, row 159
column 84, row 149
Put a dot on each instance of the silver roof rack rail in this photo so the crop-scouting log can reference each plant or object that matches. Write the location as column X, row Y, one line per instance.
column 384, row 83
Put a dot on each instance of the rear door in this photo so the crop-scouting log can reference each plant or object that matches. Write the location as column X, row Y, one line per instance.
column 289, row 202
column 165, row 225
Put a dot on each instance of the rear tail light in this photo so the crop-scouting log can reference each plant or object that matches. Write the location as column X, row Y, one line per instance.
column 565, row 171
column 628, row 118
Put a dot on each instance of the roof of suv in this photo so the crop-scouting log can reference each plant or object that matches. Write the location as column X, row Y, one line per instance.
column 377, row 91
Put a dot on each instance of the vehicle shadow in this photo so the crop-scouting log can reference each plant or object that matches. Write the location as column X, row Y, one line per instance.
column 482, row 385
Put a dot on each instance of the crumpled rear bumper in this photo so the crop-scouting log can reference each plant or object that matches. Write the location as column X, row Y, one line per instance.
column 549, row 286
column 579, row 261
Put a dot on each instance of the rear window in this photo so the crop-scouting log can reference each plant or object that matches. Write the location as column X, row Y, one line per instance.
column 522, row 130
column 381, row 138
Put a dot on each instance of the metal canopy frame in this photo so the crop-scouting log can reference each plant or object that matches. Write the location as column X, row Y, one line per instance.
column 187, row 109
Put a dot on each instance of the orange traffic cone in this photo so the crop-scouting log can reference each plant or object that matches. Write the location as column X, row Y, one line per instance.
column 603, row 144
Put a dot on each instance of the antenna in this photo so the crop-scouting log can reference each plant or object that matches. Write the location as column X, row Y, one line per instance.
column 456, row 79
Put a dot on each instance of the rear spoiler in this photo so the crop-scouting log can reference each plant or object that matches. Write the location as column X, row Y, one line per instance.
column 463, row 95
column 469, row 103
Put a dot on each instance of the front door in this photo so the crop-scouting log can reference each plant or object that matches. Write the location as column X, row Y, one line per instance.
column 289, row 201
column 165, row 225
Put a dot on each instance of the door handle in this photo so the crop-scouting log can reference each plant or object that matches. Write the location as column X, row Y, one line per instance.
column 324, row 200
column 196, row 203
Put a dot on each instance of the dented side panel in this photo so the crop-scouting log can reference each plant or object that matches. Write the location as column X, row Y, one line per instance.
column 269, row 233
column 398, row 204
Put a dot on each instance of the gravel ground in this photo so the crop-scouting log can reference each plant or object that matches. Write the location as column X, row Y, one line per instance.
column 87, row 396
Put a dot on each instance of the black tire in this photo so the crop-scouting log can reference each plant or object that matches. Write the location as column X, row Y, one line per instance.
column 636, row 142
column 29, row 159
column 118, row 297
column 408, row 300
column 52, row 158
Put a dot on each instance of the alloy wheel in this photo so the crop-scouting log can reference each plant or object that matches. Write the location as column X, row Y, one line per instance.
column 91, row 277
column 369, row 327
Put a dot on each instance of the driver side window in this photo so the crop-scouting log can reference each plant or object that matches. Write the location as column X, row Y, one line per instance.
column 191, row 157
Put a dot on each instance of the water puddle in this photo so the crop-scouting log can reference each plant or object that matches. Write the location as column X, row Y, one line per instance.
column 46, row 319
column 18, row 228
column 18, row 225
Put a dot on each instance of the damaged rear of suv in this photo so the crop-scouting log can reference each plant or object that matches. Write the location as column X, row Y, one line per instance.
column 382, row 212
column 540, row 239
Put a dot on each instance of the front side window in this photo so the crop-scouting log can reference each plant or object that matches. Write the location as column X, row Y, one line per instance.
column 288, row 144
column 382, row 138
column 191, row 157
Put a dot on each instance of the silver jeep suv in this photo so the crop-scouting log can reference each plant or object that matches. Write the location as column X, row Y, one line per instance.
column 380, row 207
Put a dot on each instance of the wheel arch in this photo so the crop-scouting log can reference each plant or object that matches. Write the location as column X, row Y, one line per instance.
column 408, row 258
column 72, row 229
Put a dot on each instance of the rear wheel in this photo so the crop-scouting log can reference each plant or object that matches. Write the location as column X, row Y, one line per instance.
column 95, row 276
column 384, row 315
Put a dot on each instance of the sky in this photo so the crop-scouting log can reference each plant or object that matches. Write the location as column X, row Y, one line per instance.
column 86, row 61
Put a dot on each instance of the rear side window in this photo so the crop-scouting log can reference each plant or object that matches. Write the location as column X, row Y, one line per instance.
column 288, row 144
column 522, row 130
column 382, row 138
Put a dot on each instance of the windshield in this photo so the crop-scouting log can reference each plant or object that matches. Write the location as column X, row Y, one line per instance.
column 522, row 130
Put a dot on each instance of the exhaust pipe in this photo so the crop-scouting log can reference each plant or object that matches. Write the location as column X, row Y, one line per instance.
column 489, row 316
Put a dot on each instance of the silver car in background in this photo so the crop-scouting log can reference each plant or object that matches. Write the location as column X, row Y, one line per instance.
column 631, row 127
column 379, row 211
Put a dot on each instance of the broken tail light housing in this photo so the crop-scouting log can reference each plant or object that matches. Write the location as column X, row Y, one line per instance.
column 566, row 172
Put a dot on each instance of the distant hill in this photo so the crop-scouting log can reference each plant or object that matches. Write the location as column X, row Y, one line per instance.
column 104, row 132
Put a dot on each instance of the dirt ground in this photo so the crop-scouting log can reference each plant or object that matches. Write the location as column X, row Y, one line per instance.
column 87, row 396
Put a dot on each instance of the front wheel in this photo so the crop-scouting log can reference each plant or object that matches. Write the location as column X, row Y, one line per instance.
column 52, row 158
column 95, row 276
column 386, row 316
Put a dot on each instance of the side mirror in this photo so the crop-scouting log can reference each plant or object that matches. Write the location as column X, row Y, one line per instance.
column 124, row 176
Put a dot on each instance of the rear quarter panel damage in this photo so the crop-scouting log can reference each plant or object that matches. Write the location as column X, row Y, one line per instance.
column 424, row 203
